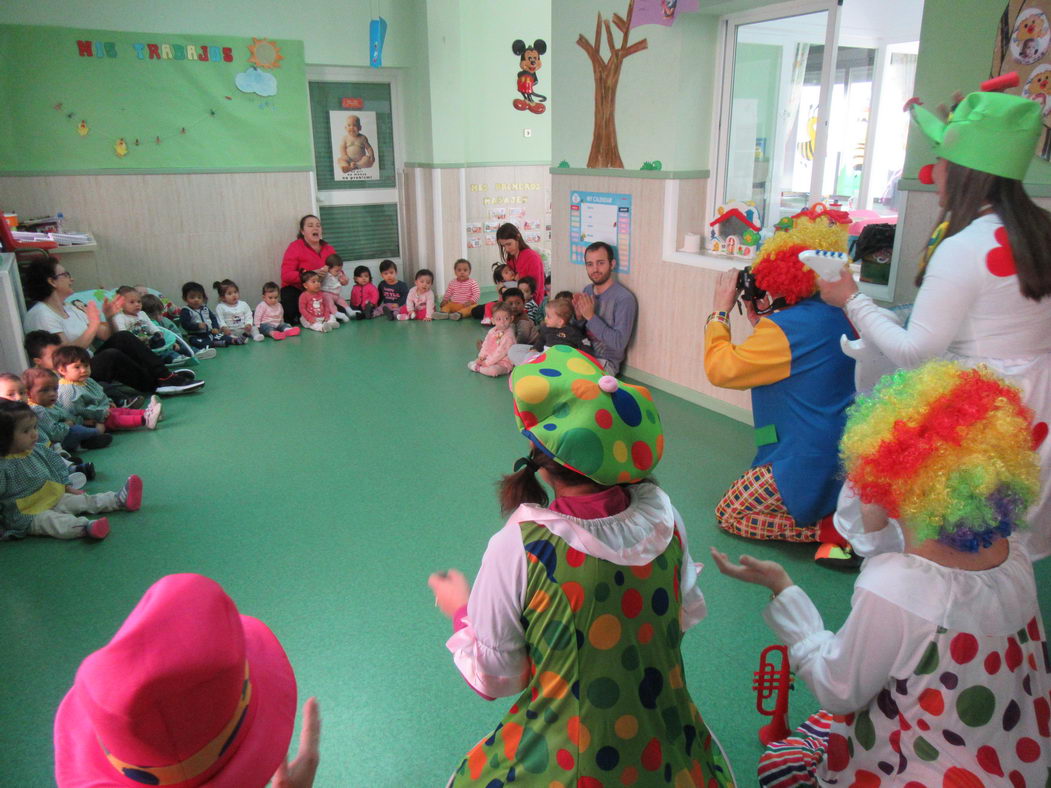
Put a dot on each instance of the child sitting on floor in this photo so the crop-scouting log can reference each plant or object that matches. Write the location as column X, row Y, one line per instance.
column 557, row 329
column 133, row 318
column 58, row 423
column 270, row 315
column 524, row 328
column 492, row 356
column 419, row 303
column 527, row 285
column 461, row 295
column 235, row 316
column 940, row 672
column 154, row 309
column 364, row 297
column 314, row 313
column 198, row 321
column 332, row 282
column 84, row 398
column 35, row 499
column 392, row 290
column 503, row 277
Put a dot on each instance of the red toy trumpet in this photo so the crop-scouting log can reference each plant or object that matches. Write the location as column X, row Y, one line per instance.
column 773, row 682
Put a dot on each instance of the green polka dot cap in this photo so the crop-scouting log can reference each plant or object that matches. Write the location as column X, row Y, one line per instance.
column 586, row 420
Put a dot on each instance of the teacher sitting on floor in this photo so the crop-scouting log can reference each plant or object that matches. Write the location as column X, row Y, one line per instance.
column 521, row 259
column 307, row 253
column 121, row 356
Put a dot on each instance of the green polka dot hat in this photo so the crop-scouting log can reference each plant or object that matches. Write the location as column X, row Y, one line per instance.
column 586, row 420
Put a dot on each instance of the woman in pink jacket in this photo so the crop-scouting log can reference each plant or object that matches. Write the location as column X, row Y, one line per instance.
column 307, row 253
column 521, row 259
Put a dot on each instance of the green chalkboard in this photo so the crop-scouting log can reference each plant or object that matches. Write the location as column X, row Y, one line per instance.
column 78, row 100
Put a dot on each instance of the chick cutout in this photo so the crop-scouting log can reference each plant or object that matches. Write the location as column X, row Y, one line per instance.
column 121, row 148
column 82, row 128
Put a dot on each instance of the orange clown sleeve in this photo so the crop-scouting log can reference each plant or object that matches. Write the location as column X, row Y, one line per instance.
column 764, row 358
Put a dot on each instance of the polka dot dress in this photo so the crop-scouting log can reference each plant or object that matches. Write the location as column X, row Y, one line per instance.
column 976, row 711
column 607, row 703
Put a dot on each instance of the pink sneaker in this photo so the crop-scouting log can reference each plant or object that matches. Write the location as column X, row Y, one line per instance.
column 277, row 334
column 97, row 529
column 292, row 332
column 130, row 495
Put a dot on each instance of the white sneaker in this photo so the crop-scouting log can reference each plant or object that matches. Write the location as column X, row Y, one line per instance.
column 258, row 337
column 208, row 352
column 355, row 313
column 77, row 480
column 155, row 400
column 342, row 318
column 152, row 415
column 325, row 327
column 487, row 321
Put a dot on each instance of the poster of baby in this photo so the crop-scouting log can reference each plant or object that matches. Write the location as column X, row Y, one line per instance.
column 353, row 156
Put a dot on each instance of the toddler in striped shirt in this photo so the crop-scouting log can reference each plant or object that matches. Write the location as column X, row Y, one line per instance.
column 461, row 295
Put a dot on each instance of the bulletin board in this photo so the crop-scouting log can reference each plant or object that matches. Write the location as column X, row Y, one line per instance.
column 78, row 100
column 598, row 216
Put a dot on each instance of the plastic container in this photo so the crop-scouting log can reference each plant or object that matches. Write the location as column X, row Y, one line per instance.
column 11, row 219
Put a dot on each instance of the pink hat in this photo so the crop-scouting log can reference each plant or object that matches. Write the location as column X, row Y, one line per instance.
column 188, row 693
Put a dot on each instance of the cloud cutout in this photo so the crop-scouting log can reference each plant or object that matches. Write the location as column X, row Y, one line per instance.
column 255, row 81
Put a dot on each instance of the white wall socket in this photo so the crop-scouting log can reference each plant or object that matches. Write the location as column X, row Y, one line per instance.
column 527, row 132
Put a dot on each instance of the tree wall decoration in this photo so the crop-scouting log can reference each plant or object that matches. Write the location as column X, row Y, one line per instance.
column 604, row 149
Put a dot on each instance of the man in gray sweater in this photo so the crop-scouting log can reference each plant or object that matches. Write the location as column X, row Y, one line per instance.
column 607, row 306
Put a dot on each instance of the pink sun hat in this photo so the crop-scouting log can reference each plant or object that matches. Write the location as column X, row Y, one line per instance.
column 187, row 693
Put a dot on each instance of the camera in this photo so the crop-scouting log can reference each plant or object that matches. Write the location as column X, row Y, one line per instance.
column 746, row 286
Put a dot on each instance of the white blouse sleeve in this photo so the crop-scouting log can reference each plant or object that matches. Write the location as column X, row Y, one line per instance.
column 490, row 651
column 845, row 670
column 693, row 608
column 847, row 521
column 949, row 289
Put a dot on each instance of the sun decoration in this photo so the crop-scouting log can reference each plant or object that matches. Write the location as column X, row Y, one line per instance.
column 265, row 53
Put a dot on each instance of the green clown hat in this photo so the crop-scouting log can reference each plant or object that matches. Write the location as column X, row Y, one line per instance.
column 586, row 420
column 988, row 132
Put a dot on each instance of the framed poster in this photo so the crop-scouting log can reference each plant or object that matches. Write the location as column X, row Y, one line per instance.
column 353, row 156
column 599, row 216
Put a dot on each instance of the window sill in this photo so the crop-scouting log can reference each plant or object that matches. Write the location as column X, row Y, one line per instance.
column 712, row 262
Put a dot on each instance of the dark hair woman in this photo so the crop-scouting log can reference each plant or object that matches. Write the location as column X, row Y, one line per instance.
column 307, row 253
column 987, row 268
column 117, row 356
column 571, row 592
column 523, row 260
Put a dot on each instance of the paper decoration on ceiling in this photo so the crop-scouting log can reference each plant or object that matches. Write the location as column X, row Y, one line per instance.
column 735, row 230
column 1023, row 44
column 605, row 151
column 255, row 81
column 529, row 63
column 265, row 53
column 377, row 35
column 662, row 12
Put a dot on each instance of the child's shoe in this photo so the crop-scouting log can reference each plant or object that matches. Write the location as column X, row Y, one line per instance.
column 97, row 529
column 472, row 365
column 236, row 340
column 99, row 441
column 390, row 314
column 135, row 403
column 151, row 415
column 85, row 468
column 155, row 400
column 834, row 556
column 77, row 480
column 355, row 314
column 342, row 318
column 452, row 315
column 130, row 495
column 279, row 335
column 292, row 332
column 258, row 336
column 332, row 324
column 487, row 321
column 440, row 315
column 401, row 316
column 201, row 355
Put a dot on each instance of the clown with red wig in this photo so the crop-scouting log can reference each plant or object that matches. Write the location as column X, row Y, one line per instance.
column 801, row 384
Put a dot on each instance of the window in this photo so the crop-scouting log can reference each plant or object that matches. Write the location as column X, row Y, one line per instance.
column 810, row 106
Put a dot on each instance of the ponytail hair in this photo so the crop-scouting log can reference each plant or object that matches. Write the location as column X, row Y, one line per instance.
column 523, row 486
column 223, row 286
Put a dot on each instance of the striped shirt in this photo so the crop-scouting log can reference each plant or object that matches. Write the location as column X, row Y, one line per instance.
column 466, row 292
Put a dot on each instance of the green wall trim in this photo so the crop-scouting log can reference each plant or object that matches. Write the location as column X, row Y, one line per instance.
column 690, row 395
column 158, row 171
column 427, row 165
column 667, row 175
column 1032, row 189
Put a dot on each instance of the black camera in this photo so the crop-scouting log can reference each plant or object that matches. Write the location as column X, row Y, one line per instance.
column 748, row 290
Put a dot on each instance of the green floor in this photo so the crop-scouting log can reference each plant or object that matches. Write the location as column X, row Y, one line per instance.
column 320, row 480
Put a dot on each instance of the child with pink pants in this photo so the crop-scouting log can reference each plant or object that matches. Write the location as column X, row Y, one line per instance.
column 492, row 356
column 84, row 398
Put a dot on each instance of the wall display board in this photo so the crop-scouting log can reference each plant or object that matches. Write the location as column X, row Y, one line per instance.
column 78, row 100
column 597, row 216
column 497, row 195
column 1023, row 45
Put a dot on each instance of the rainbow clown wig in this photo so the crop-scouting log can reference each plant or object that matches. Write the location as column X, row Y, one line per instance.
column 778, row 269
column 947, row 450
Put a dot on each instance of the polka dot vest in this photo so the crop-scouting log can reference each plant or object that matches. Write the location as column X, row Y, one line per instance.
column 607, row 703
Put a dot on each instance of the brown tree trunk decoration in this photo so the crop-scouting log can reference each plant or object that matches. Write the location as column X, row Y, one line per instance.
column 604, row 149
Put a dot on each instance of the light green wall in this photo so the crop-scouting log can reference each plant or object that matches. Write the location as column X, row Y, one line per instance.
column 664, row 98
column 334, row 32
column 956, row 56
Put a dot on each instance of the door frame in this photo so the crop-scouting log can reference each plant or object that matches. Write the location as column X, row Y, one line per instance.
column 392, row 77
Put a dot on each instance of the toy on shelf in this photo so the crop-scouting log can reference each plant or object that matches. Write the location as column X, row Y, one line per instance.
column 735, row 230
column 773, row 682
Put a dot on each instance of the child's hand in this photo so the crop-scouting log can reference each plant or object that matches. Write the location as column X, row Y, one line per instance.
column 751, row 570
column 226, row 330
column 451, row 590
column 202, row 326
